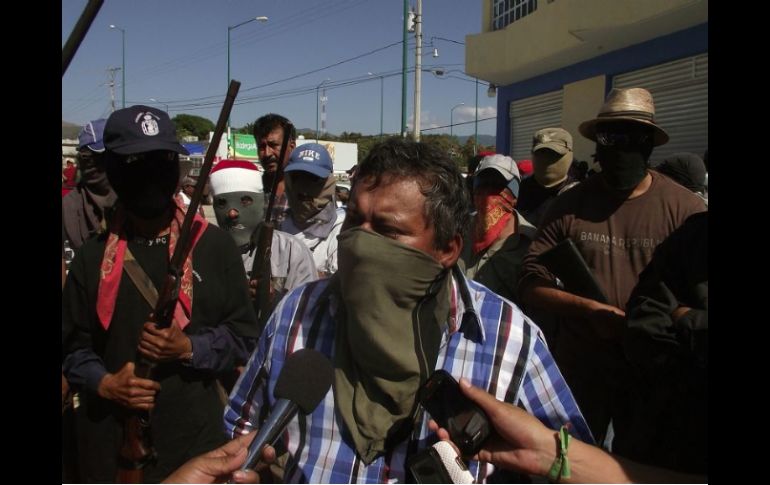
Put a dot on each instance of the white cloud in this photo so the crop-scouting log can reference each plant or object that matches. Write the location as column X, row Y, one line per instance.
column 468, row 113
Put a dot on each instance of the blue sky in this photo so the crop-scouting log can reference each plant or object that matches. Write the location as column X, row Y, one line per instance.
column 176, row 53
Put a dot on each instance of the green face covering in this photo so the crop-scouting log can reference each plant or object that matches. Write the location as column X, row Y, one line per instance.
column 394, row 300
column 550, row 168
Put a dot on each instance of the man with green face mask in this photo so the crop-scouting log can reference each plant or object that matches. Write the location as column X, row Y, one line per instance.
column 239, row 205
column 398, row 309
column 616, row 218
column 551, row 159
column 313, row 215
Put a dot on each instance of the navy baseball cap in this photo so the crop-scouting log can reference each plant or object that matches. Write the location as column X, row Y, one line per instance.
column 141, row 129
column 91, row 136
column 310, row 157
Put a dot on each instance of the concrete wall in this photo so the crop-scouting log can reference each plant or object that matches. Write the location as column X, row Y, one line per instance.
column 582, row 100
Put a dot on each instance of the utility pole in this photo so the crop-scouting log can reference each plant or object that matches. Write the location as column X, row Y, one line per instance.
column 476, row 123
column 112, row 71
column 417, row 68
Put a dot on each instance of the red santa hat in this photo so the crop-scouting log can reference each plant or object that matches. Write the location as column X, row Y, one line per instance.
column 235, row 176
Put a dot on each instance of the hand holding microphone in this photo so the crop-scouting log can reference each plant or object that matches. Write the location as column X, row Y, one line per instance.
column 305, row 379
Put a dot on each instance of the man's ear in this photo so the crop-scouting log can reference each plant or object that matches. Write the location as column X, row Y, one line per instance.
column 449, row 256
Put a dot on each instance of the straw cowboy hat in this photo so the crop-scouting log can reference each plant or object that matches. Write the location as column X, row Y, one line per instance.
column 632, row 104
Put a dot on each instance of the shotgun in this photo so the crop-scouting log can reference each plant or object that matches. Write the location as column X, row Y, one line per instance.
column 263, row 239
column 79, row 32
column 137, row 450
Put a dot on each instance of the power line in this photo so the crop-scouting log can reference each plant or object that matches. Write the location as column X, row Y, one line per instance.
column 458, row 124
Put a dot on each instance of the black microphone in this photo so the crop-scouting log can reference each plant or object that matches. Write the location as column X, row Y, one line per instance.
column 305, row 379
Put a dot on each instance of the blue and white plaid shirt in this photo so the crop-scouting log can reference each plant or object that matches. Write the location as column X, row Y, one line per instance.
column 487, row 340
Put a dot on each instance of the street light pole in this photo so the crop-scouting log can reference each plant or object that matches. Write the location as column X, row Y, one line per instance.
column 382, row 91
column 123, row 34
column 229, row 29
column 317, row 88
column 451, row 118
column 403, row 70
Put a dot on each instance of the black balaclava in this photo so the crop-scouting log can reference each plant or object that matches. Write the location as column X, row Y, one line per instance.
column 624, row 160
column 145, row 183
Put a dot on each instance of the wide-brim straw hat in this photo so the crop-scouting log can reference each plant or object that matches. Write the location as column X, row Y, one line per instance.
column 631, row 104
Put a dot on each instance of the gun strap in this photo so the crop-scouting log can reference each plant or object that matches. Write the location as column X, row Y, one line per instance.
column 140, row 279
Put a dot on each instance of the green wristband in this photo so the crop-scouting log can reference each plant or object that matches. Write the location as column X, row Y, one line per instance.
column 560, row 467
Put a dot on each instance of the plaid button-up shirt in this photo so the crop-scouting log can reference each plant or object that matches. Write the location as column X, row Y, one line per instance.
column 486, row 339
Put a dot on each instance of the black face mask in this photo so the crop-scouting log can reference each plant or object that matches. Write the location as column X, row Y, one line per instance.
column 145, row 184
column 622, row 168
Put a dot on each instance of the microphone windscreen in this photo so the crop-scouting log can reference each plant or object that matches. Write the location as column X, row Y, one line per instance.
column 305, row 379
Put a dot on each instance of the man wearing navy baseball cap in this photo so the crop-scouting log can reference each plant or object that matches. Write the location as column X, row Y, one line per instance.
column 313, row 214
column 106, row 313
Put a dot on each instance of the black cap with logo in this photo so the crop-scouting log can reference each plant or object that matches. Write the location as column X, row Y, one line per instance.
column 140, row 129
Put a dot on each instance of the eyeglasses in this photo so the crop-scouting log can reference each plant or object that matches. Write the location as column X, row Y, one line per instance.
column 614, row 139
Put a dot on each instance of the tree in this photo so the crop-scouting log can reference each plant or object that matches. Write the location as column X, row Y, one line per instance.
column 196, row 125
column 447, row 144
column 248, row 129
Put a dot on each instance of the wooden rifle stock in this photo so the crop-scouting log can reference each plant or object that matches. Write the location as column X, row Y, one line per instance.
column 137, row 450
column 260, row 269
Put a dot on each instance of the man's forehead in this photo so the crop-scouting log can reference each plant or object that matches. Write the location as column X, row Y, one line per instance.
column 276, row 132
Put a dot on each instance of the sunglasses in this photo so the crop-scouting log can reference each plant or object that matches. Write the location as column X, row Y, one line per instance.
column 620, row 140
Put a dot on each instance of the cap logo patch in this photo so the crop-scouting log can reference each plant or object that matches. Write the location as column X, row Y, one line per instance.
column 149, row 125
column 309, row 155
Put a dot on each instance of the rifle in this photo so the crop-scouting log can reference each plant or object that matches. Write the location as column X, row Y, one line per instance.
column 260, row 269
column 79, row 32
column 137, row 449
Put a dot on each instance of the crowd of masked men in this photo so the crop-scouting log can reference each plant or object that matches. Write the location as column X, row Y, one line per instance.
column 422, row 268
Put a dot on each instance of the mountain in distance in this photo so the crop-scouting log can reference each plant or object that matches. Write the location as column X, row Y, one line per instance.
column 69, row 130
column 486, row 140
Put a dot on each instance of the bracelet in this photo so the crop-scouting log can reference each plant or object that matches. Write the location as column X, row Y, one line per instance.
column 560, row 467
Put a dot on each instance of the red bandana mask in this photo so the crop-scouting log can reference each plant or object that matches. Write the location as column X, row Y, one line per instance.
column 112, row 266
column 495, row 208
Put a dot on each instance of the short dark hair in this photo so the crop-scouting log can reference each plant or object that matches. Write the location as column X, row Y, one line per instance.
column 447, row 204
column 267, row 123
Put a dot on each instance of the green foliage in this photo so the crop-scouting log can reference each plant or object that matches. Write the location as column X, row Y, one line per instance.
column 191, row 124
column 248, row 129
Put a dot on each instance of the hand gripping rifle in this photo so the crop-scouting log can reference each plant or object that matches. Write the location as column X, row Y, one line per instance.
column 260, row 269
column 137, row 449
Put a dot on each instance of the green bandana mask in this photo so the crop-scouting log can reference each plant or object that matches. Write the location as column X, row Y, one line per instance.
column 307, row 199
column 395, row 300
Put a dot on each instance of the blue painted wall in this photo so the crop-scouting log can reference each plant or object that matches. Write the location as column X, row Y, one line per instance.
column 685, row 43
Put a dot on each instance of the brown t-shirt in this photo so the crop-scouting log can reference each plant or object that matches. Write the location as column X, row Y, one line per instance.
column 615, row 237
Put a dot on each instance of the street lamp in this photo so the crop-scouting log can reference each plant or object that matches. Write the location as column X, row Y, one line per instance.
column 317, row 88
column 123, row 34
column 382, row 90
column 161, row 102
column 230, row 28
column 451, row 117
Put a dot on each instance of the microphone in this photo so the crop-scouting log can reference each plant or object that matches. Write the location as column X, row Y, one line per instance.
column 305, row 379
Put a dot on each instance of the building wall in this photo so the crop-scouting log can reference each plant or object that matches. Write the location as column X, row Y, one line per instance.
column 688, row 42
column 581, row 102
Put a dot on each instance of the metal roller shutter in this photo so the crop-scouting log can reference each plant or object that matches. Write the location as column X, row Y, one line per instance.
column 680, row 91
column 529, row 115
